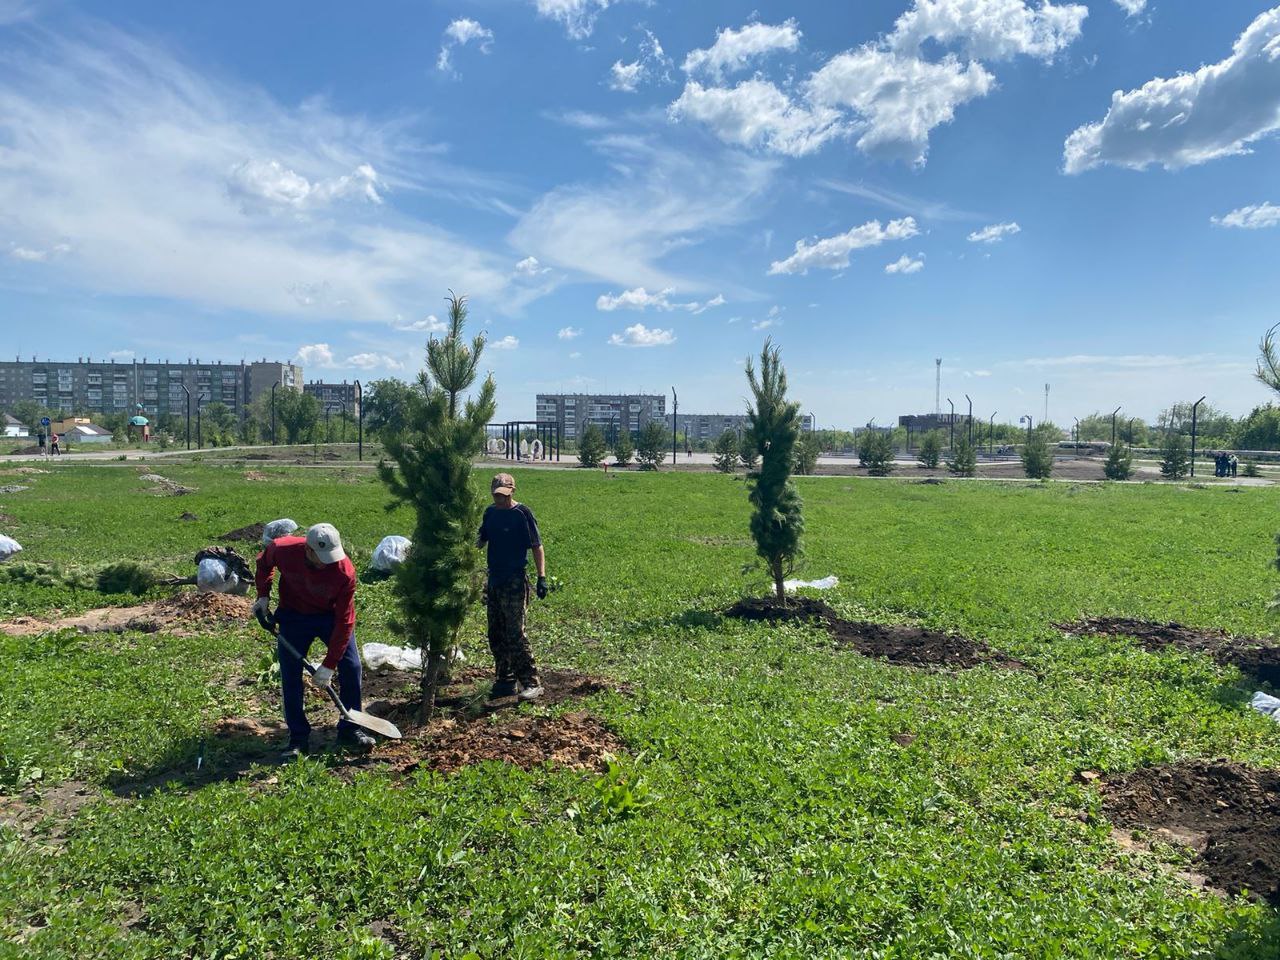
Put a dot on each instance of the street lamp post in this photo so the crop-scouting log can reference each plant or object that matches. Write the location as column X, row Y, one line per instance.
column 1194, row 409
column 1113, row 425
column 675, row 409
column 199, row 400
column 951, row 437
column 1027, row 420
column 360, row 420
column 273, row 413
column 970, row 424
column 1131, row 420
column 991, row 433
column 188, row 393
column 1077, row 420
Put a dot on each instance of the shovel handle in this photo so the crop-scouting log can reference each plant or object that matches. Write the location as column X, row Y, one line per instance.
column 269, row 625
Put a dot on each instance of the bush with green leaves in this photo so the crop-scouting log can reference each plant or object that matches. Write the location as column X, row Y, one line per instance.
column 1174, row 459
column 1119, row 463
column 807, row 449
column 930, row 452
column 430, row 471
column 777, row 517
column 748, row 453
column 652, row 448
column 624, row 449
column 964, row 459
column 591, row 448
column 875, row 452
column 726, row 452
column 1037, row 456
column 1250, row 468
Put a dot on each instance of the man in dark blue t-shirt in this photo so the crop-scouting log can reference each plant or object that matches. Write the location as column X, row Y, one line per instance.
column 510, row 531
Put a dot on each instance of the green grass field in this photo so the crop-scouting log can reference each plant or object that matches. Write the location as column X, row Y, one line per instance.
column 784, row 819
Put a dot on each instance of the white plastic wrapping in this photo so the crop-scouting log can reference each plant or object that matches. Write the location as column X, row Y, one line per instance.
column 1264, row 703
column 382, row 656
column 212, row 576
column 390, row 553
column 277, row 528
column 826, row 583
column 9, row 548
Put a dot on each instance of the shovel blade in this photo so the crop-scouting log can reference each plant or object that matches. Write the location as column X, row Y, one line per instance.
column 374, row 724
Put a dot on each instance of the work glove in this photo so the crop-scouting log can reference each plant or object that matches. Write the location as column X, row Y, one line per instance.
column 262, row 608
column 322, row 677
column 541, row 588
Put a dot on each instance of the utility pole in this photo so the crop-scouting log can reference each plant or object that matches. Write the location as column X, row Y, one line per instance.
column 675, row 409
column 937, row 388
column 1046, row 404
column 360, row 420
column 1194, row 409
column 1113, row 425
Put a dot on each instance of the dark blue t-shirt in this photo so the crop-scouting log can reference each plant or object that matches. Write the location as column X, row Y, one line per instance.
column 510, row 535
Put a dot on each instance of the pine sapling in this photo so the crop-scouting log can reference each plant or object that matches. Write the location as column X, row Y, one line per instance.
column 624, row 450
column 726, row 452
column 930, row 453
column 430, row 470
column 591, row 449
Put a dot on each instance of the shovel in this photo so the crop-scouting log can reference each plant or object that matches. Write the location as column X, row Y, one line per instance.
column 366, row 721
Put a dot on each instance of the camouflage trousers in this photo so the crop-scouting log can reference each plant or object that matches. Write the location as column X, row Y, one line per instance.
column 512, row 658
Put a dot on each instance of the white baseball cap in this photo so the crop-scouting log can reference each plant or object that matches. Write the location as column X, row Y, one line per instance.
column 324, row 540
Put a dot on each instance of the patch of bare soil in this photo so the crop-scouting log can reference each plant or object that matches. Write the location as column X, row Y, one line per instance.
column 904, row 645
column 44, row 811
column 256, row 475
column 252, row 532
column 1249, row 655
column 1229, row 814
column 164, row 487
column 21, row 472
column 177, row 614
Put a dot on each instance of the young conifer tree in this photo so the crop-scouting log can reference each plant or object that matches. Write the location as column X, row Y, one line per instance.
column 930, row 450
column 1119, row 463
column 726, row 452
column 777, row 520
column 591, row 449
column 964, row 459
column 1174, row 461
column 624, row 449
column 431, row 472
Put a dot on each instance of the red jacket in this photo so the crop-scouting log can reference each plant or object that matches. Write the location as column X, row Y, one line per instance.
column 309, row 590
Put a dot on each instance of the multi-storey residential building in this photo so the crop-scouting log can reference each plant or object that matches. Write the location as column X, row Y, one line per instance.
column 156, row 387
column 573, row 411
column 708, row 426
column 333, row 396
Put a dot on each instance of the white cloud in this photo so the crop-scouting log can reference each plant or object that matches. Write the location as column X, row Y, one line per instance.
column 429, row 324
column 994, row 233
column 315, row 355
column 266, row 184
column 659, row 200
column 578, row 17
column 374, row 361
column 1217, row 111
column 121, row 354
column 575, row 355
column 652, row 64
column 38, row 255
column 581, row 119
column 458, row 34
column 529, row 267
column 569, row 333
column 904, row 264
column 734, row 49
column 641, row 299
column 1253, row 217
column 506, row 343
column 764, row 324
column 639, row 335
column 124, row 151
column 897, row 99
column 1132, row 7
column 756, row 113
column 990, row 29
column 832, row 253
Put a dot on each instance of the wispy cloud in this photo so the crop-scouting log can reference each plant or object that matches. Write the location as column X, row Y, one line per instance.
column 638, row 335
column 458, row 34
column 1253, row 217
column 640, row 299
column 994, row 233
column 832, row 253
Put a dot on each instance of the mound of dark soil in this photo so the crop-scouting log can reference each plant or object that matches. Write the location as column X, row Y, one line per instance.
column 188, row 515
column 177, row 614
column 910, row 646
column 252, row 532
column 1228, row 813
column 1250, row 656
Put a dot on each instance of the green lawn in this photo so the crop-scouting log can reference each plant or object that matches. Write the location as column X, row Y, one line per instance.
column 785, row 820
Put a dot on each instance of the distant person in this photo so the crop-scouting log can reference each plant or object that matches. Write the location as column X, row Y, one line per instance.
column 317, row 601
column 509, row 530
column 43, row 441
column 53, row 445
column 1234, row 464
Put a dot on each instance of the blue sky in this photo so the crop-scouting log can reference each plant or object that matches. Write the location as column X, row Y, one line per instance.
column 634, row 195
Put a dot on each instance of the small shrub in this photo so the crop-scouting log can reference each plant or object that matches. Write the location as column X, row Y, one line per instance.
column 1119, row 463
column 591, row 447
column 806, row 454
column 964, row 459
column 1174, row 461
column 624, row 450
column 748, row 452
column 726, row 452
column 1037, row 458
column 930, row 453
column 1250, row 468
column 651, row 449
column 875, row 452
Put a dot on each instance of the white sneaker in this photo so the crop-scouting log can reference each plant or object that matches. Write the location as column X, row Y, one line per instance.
column 530, row 693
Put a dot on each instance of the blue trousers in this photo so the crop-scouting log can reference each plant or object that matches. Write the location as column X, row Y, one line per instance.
column 300, row 630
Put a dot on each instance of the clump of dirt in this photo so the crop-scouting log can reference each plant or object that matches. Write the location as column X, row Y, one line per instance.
column 252, row 532
column 1229, row 814
column 164, row 487
column 188, row 515
column 1250, row 656
column 906, row 645
column 177, row 615
column 256, row 475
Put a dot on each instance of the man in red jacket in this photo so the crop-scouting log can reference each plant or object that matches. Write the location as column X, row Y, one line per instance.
column 317, row 600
